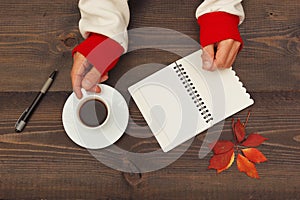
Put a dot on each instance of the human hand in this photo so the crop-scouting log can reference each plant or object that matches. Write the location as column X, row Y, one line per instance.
column 220, row 55
column 84, row 75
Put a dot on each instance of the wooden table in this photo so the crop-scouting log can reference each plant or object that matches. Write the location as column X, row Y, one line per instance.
column 43, row 163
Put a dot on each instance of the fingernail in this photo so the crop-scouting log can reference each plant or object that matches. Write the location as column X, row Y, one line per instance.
column 97, row 90
column 78, row 95
column 207, row 65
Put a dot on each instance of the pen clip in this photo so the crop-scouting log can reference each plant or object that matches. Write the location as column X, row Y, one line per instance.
column 21, row 117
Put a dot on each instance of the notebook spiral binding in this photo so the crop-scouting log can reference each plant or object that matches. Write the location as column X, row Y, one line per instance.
column 198, row 101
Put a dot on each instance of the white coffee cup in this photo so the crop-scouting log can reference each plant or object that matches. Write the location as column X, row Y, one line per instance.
column 107, row 133
column 92, row 110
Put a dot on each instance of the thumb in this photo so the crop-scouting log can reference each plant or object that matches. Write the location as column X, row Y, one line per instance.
column 208, row 55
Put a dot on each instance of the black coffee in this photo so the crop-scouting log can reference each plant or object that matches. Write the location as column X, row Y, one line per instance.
column 93, row 113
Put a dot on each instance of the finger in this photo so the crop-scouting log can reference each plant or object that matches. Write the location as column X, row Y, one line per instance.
column 90, row 80
column 77, row 74
column 103, row 78
column 223, row 50
column 233, row 53
column 95, row 89
column 207, row 56
column 77, row 88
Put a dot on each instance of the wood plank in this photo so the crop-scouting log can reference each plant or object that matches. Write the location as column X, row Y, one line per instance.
column 271, row 53
column 42, row 162
column 36, row 38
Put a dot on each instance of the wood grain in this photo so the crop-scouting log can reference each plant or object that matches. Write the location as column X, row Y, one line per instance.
column 42, row 162
column 36, row 38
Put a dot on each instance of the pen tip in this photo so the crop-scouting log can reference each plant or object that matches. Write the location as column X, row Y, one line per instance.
column 17, row 131
column 53, row 74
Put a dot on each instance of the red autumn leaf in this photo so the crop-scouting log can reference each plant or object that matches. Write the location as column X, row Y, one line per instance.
column 239, row 130
column 244, row 165
column 229, row 164
column 254, row 155
column 254, row 140
column 224, row 151
column 223, row 161
column 222, row 146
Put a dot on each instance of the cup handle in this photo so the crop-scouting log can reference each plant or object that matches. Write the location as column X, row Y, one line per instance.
column 84, row 92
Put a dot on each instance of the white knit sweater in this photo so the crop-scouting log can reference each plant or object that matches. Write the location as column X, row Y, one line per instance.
column 111, row 17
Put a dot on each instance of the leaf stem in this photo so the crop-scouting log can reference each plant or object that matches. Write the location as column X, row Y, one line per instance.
column 247, row 118
column 234, row 136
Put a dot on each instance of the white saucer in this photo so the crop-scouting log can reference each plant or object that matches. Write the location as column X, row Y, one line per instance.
column 109, row 133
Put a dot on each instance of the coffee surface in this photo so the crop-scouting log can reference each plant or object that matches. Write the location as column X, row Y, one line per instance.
column 93, row 113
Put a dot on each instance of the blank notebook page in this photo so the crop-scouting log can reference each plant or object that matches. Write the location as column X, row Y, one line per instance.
column 183, row 100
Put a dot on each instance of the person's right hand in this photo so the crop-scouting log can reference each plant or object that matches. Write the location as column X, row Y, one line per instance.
column 84, row 75
column 220, row 55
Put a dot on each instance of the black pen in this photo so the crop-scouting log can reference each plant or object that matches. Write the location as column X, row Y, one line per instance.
column 23, row 119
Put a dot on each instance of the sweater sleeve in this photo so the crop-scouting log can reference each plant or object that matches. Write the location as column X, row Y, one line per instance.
column 233, row 7
column 106, row 17
column 101, row 51
column 219, row 20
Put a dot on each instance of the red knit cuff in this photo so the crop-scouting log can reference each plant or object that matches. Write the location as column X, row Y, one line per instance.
column 218, row 26
column 101, row 51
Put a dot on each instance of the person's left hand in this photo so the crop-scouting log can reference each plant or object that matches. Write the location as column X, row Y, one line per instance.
column 220, row 55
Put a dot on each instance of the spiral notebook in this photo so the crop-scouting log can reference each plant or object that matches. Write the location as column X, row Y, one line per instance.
column 182, row 100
